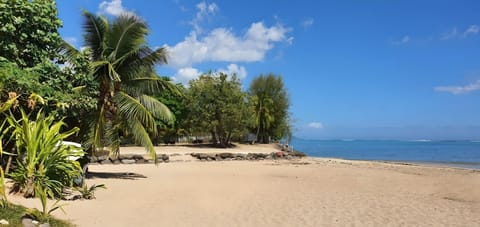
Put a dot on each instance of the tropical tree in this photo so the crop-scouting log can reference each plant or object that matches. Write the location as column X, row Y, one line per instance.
column 123, row 66
column 269, row 103
column 177, row 103
column 29, row 31
column 217, row 106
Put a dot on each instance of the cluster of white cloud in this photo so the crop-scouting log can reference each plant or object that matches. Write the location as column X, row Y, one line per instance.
column 217, row 45
column 222, row 45
column 456, row 90
column 316, row 125
column 454, row 33
column 239, row 71
column 184, row 75
column 113, row 8
column 204, row 11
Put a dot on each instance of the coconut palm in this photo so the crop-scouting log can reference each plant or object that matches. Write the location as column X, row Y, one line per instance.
column 269, row 103
column 123, row 66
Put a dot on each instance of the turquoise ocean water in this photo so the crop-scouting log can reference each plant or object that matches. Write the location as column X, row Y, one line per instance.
column 465, row 154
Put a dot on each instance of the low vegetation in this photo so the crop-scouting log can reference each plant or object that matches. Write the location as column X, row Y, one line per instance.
column 89, row 192
column 14, row 214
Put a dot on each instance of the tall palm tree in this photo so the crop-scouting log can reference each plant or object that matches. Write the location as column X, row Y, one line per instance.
column 123, row 66
column 269, row 103
column 262, row 115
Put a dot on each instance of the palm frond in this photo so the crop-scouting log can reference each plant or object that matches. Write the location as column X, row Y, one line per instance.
column 128, row 33
column 95, row 28
column 139, row 62
column 130, row 108
column 151, row 85
column 157, row 108
column 141, row 136
column 68, row 51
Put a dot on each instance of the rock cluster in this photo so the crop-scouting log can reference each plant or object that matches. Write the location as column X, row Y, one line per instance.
column 127, row 159
column 249, row 156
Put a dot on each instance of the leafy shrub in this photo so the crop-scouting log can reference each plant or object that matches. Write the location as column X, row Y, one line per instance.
column 43, row 161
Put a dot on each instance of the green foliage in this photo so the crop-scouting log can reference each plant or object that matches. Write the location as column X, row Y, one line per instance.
column 43, row 161
column 44, row 215
column 14, row 213
column 269, row 103
column 123, row 67
column 3, row 193
column 177, row 103
column 89, row 192
column 217, row 106
column 29, row 31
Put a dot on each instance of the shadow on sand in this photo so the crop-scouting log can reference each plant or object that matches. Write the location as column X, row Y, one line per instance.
column 206, row 145
column 120, row 175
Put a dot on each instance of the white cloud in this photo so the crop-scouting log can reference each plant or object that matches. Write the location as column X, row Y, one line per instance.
column 204, row 11
column 222, row 45
column 459, row 89
column 316, row 125
column 404, row 40
column 454, row 33
column 307, row 23
column 240, row 71
column 472, row 30
column 114, row 8
column 186, row 74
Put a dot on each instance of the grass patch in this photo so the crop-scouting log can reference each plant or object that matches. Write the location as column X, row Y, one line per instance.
column 14, row 213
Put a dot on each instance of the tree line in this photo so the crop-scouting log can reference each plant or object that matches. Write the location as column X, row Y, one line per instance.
column 111, row 92
column 108, row 93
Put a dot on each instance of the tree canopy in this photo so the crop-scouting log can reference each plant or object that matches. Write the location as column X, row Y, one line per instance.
column 217, row 106
column 269, row 103
column 29, row 31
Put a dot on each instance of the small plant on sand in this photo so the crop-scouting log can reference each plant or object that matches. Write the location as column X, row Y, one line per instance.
column 44, row 215
column 89, row 192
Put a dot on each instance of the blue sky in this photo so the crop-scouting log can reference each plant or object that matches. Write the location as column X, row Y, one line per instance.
column 354, row 69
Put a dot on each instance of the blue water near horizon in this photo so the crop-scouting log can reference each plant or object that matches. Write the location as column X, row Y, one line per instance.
column 464, row 154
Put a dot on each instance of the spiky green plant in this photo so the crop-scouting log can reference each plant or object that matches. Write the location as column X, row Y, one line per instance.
column 3, row 194
column 45, row 214
column 43, row 161
column 89, row 192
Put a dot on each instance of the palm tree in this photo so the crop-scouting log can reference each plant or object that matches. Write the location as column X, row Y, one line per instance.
column 269, row 104
column 262, row 115
column 123, row 66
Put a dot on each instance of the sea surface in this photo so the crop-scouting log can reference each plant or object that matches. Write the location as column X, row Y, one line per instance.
column 463, row 154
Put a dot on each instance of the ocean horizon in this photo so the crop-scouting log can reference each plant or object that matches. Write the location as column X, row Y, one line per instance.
column 452, row 153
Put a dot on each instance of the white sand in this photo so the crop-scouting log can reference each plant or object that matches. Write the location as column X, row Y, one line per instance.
column 306, row 192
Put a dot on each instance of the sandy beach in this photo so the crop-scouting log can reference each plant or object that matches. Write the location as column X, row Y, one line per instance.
column 303, row 192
